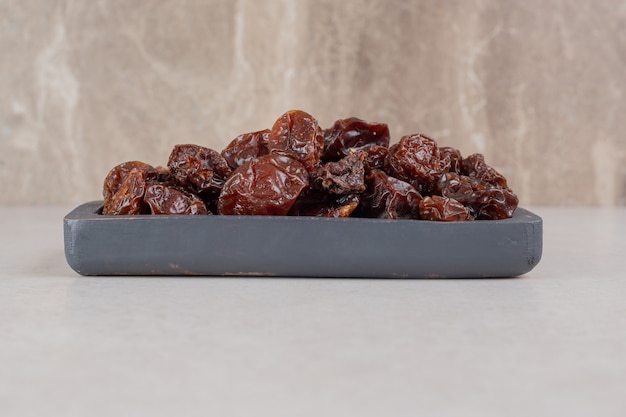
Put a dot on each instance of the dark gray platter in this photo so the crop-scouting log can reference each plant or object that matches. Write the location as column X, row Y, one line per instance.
column 299, row 246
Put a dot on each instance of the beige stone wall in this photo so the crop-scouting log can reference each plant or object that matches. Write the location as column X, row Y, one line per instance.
column 538, row 86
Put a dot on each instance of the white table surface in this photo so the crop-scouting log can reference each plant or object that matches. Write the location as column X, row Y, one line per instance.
column 550, row 343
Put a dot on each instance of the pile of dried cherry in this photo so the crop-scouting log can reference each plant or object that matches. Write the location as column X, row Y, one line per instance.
column 299, row 169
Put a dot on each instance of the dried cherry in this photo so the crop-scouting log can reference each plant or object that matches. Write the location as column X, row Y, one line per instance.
column 484, row 200
column 171, row 199
column 475, row 166
column 198, row 169
column 375, row 157
column 443, row 209
column 245, row 148
column 346, row 176
column 353, row 133
column 298, row 134
column 118, row 174
column 452, row 159
column 416, row 159
column 296, row 168
column 495, row 204
column 268, row 185
column 128, row 197
column 390, row 198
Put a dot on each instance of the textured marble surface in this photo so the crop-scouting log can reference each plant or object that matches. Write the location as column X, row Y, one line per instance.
column 550, row 343
column 539, row 87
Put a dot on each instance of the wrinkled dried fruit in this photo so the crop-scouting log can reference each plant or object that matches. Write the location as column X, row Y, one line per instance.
column 128, row 198
column 390, row 198
column 451, row 158
column 496, row 204
column 416, row 160
column 485, row 201
column 296, row 168
column 244, row 148
column 475, row 166
column 443, row 209
column 268, row 185
column 118, row 174
column 353, row 133
column 346, row 176
column 198, row 169
column 374, row 157
column 170, row 199
column 298, row 134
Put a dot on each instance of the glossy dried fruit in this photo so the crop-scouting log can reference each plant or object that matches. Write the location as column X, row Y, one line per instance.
column 485, row 201
column 475, row 166
column 298, row 134
column 353, row 133
column 350, row 168
column 416, row 160
column 198, row 169
column 268, row 185
column 451, row 158
column 390, row 198
column 375, row 157
column 244, row 148
column 128, row 198
column 346, row 176
column 443, row 209
column 170, row 199
column 118, row 174
column 496, row 204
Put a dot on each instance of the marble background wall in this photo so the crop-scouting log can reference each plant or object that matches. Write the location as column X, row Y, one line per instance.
column 537, row 86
